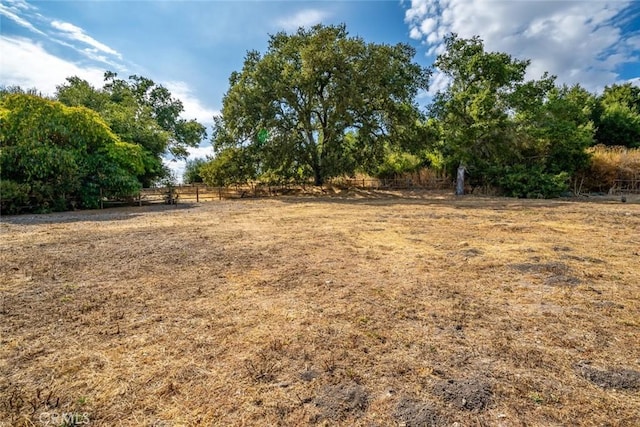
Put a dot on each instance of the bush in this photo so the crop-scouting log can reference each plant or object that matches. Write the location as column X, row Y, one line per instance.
column 192, row 171
column 533, row 182
column 396, row 164
column 14, row 196
column 54, row 157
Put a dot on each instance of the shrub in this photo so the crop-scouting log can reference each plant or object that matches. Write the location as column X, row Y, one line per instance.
column 533, row 182
column 398, row 163
column 14, row 196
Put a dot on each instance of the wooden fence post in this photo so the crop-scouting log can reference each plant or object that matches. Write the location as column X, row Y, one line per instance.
column 197, row 194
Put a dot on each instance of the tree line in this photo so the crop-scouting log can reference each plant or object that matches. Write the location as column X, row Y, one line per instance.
column 320, row 104
column 86, row 143
column 317, row 104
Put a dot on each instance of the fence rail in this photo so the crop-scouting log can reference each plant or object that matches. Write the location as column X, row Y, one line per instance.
column 626, row 186
column 395, row 183
column 203, row 193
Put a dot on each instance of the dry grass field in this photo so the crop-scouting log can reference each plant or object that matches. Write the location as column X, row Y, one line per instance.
column 371, row 309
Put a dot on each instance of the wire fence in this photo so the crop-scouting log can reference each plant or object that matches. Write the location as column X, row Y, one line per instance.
column 626, row 186
column 202, row 193
column 197, row 193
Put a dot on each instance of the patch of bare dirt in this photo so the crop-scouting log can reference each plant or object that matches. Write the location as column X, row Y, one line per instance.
column 562, row 280
column 337, row 402
column 472, row 394
column 621, row 379
column 541, row 267
column 416, row 413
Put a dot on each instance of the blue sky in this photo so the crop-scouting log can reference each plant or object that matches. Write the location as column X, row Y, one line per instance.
column 193, row 46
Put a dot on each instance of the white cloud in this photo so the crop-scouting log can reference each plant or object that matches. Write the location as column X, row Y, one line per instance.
column 20, row 4
column 25, row 14
column 12, row 11
column 25, row 63
column 193, row 107
column 579, row 41
column 200, row 152
column 78, row 34
column 439, row 82
column 303, row 18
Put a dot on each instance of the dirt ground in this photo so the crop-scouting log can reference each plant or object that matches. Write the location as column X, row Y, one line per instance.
column 376, row 309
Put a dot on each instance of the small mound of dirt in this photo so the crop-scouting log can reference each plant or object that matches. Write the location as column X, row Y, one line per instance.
column 469, row 394
column 412, row 412
column 543, row 267
column 473, row 252
column 589, row 259
column 562, row 280
column 338, row 402
column 309, row 375
column 623, row 379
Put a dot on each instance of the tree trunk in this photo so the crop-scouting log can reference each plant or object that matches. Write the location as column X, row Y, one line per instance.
column 316, row 165
column 460, row 181
column 318, row 178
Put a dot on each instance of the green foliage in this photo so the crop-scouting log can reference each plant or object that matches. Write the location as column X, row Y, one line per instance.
column 626, row 95
column 532, row 182
column 617, row 116
column 140, row 112
column 526, row 137
column 556, row 132
column 398, row 163
column 474, row 110
column 14, row 196
column 53, row 156
column 312, row 91
column 618, row 125
column 232, row 165
column 192, row 173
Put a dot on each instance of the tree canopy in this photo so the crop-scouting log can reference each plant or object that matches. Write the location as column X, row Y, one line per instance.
column 139, row 111
column 53, row 156
column 523, row 137
column 617, row 117
column 87, row 142
column 317, row 104
column 296, row 108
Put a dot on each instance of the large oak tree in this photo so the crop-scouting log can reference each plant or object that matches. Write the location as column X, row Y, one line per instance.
column 295, row 109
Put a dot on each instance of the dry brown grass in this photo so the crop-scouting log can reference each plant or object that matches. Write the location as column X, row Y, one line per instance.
column 609, row 164
column 368, row 309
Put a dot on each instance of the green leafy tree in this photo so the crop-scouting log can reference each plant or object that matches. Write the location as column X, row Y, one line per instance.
column 525, row 137
column 231, row 165
column 53, row 156
column 294, row 108
column 142, row 112
column 474, row 110
column 617, row 117
column 192, row 173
